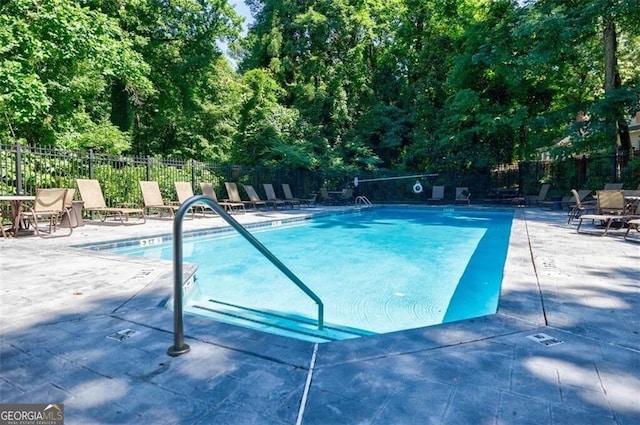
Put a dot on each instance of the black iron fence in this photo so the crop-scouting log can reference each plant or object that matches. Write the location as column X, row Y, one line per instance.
column 24, row 169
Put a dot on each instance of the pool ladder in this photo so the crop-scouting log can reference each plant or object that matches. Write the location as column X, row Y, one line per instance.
column 362, row 201
column 179, row 347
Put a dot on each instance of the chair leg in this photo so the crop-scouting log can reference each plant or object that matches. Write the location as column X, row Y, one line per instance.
column 579, row 224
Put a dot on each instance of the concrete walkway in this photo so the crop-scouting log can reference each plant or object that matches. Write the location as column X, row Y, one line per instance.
column 62, row 306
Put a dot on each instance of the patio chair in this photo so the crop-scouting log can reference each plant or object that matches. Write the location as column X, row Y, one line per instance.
column 580, row 207
column 288, row 195
column 184, row 192
column 463, row 195
column 437, row 194
column 229, row 206
column 272, row 198
column 153, row 201
column 6, row 215
column 610, row 208
column 540, row 197
column 91, row 194
column 325, row 197
column 254, row 199
column 346, row 196
column 49, row 205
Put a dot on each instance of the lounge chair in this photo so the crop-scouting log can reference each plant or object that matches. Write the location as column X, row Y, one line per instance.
column 569, row 202
column 91, row 194
column 437, row 194
column 288, row 195
column 153, row 199
column 610, row 208
column 254, row 199
column 463, row 195
column 49, row 205
column 209, row 191
column 540, row 197
column 632, row 218
column 632, row 224
column 272, row 198
column 613, row 186
column 580, row 207
column 184, row 192
column 234, row 194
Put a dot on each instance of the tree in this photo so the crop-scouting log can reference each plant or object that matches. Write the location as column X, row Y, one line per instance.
column 57, row 62
column 436, row 46
column 270, row 133
column 191, row 113
column 321, row 54
column 588, row 35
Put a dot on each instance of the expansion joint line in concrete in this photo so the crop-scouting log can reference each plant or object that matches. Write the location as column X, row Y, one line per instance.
column 535, row 269
column 307, row 385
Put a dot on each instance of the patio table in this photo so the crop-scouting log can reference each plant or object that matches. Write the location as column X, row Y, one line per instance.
column 15, row 201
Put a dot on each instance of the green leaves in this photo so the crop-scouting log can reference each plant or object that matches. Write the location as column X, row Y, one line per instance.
column 59, row 59
column 454, row 84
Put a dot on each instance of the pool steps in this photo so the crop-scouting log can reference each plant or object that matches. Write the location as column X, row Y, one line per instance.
column 286, row 325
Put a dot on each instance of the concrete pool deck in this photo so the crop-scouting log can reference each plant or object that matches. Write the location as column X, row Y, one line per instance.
column 62, row 306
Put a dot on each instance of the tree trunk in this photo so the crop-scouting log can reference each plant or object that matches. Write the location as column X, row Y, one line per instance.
column 619, row 126
column 120, row 106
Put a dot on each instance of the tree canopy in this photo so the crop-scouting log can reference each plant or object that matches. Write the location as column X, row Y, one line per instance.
column 348, row 84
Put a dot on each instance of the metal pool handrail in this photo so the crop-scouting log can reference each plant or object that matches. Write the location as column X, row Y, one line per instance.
column 362, row 201
column 179, row 347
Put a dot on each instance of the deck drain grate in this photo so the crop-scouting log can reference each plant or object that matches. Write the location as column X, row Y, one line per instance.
column 545, row 339
column 122, row 335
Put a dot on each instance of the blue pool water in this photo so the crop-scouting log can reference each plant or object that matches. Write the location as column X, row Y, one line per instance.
column 377, row 271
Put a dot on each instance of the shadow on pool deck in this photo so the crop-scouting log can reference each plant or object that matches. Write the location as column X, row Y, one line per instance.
column 60, row 305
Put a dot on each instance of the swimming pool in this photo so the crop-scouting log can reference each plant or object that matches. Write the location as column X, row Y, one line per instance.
column 378, row 270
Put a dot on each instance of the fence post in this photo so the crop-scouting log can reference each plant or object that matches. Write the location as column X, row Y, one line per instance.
column 18, row 170
column 148, row 168
column 193, row 173
column 90, row 163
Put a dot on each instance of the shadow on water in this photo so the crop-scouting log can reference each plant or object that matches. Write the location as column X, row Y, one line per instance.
column 481, row 281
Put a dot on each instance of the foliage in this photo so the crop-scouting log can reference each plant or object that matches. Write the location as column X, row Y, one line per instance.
column 455, row 86
column 191, row 112
column 58, row 60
